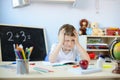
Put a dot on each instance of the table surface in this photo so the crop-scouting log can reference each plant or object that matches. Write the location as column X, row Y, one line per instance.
column 60, row 73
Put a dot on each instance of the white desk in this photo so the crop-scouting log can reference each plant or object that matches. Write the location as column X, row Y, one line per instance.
column 60, row 73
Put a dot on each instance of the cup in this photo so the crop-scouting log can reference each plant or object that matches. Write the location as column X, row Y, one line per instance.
column 22, row 66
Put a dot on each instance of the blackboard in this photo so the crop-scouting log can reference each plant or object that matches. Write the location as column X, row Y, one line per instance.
column 26, row 36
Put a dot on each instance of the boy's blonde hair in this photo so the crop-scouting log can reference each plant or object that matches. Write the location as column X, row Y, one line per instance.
column 68, row 29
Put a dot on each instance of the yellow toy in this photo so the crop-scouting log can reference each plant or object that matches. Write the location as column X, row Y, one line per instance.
column 96, row 30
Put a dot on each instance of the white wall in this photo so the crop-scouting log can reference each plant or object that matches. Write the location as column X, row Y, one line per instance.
column 52, row 15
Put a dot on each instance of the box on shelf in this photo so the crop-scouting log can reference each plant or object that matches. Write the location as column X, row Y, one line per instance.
column 113, row 32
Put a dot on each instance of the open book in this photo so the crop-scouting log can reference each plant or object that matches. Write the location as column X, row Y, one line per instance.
column 64, row 63
column 59, row 63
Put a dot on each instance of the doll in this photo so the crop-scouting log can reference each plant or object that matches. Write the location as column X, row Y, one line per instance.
column 83, row 25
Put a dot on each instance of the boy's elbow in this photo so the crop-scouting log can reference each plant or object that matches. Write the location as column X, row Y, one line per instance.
column 51, row 60
column 88, row 59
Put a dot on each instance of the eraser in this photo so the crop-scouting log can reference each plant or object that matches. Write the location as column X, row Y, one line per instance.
column 107, row 66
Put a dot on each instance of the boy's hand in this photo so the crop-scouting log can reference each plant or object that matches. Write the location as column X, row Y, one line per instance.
column 76, row 37
column 61, row 36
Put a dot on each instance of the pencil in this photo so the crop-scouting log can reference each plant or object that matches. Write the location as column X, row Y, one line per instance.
column 23, row 53
column 31, row 49
column 40, row 70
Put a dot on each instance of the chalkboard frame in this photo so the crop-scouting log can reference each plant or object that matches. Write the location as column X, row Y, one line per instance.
column 28, row 27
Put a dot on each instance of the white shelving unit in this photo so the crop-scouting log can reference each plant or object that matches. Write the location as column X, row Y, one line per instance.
column 104, row 41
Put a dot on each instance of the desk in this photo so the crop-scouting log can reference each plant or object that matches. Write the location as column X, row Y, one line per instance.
column 60, row 73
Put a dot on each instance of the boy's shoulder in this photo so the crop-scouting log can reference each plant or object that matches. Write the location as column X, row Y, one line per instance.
column 55, row 44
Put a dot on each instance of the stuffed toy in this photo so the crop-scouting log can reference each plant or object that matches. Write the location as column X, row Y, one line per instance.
column 83, row 25
column 89, row 30
column 96, row 30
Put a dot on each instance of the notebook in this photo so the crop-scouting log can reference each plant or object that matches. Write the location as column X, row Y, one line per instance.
column 87, row 71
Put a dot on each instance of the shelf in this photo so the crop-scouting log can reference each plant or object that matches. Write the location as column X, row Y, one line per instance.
column 97, row 49
column 103, row 36
column 97, row 44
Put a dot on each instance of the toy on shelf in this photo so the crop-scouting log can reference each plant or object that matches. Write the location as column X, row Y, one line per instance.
column 113, row 31
column 96, row 30
column 83, row 25
column 89, row 30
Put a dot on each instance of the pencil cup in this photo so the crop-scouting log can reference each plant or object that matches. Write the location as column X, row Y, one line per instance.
column 22, row 66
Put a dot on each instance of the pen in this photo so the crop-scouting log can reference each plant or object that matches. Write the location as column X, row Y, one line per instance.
column 21, row 49
column 32, row 63
column 23, row 53
column 75, row 66
column 17, row 56
column 42, row 69
column 37, row 70
column 30, row 50
column 20, row 57
column 46, row 69
column 14, row 62
column 27, row 52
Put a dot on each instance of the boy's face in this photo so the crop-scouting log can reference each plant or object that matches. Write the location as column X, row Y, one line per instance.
column 69, row 43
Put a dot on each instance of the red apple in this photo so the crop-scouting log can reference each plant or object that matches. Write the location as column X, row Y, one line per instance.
column 92, row 55
column 83, row 64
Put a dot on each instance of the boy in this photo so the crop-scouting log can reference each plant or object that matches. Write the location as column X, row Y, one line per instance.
column 68, row 47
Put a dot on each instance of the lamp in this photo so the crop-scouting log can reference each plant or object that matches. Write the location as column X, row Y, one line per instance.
column 20, row 3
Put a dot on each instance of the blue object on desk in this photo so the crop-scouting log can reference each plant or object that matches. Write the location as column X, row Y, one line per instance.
column 14, row 62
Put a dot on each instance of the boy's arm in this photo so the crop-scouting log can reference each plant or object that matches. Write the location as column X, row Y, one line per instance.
column 83, row 52
column 54, row 53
